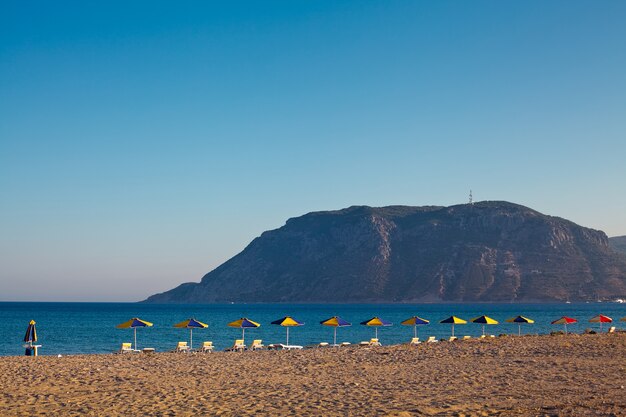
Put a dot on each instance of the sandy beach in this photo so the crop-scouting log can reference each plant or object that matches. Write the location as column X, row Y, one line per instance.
column 581, row 375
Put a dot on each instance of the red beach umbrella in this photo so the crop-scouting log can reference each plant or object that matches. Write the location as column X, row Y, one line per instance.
column 600, row 319
column 565, row 321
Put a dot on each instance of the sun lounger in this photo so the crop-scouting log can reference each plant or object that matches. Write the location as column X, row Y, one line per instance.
column 280, row 346
column 432, row 339
column 344, row 344
column 611, row 329
column 238, row 346
column 453, row 338
column 126, row 348
column 467, row 337
column 207, row 347
column 323, row 344
column 415, row 341
column 257, row 345
column 372, row 342
column 181, row 347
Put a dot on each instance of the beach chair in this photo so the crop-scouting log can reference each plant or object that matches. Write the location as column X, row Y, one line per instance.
column 323, row 344
column 415, row 341
column 207, row 347
column 611, row 329
column 257, row 345
column 372, row 342
column 453, row 338
column 432, row 339
column 238, row 346
column 126, row 348
column 181, row 347
column 467, row 337
column 344, row 344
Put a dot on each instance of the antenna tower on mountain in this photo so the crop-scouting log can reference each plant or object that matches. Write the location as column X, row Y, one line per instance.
column 471, row 199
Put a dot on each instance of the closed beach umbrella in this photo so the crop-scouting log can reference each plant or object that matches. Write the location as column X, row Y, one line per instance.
column 414, row 321
column 243, row 324
column 133, row 324
column 484, row 320
column 288, row 322
column 520, row 320
column 565, row 321
column 600, row 319
column 453, row 320
column 191, row 324
column 376, row 322
column 31, row 333
column 335, row 322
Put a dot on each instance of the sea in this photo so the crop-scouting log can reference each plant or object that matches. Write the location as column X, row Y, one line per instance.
column 90, row 328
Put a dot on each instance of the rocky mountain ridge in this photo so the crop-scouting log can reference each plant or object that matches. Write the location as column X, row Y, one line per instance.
column 487, row 251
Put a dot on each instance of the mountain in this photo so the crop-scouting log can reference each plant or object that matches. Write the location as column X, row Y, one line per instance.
column 618, row 243
column 487, row 251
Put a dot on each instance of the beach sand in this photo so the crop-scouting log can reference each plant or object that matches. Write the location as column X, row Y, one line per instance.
column 581, row 375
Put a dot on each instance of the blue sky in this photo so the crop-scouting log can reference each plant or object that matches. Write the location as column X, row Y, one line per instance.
column 144, row 143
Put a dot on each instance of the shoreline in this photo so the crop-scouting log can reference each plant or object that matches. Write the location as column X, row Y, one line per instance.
column 570, row 374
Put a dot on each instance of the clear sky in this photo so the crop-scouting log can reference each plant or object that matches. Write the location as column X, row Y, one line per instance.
column 143, row 143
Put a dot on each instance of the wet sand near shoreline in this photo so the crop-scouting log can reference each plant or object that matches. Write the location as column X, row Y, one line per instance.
column 579, row 375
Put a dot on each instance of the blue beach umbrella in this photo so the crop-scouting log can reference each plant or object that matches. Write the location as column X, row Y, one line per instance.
column 288, row 322
column 134, row 323
column 191, row 324
column 31, row 333
column 376, row 322
column 243, row 324
column 415, row 321
column 335, row 322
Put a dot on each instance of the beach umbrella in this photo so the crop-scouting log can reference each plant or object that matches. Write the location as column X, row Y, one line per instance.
column 335, row 322
column 191, row 324
column 453, row 320
column 133, row 324
column 520, row 320
column 414, row 321
column 565, row 321
column 600, row 319
column 376, row 322
column 31, row 333
column 484, row 320
column 288, row 322
column 243, row 324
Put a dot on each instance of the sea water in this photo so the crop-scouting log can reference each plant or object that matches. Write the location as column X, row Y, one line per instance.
column 79, row 328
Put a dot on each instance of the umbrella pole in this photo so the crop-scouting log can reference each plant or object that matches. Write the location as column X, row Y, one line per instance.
column 565, row 324
column 287, row 335
column 452, row 329
column 335, row 336
column 243, row 335
column 414, row 331
column 190, row 338
column 483, row 329
column 135, row 330
column 519, row 329
column 376, row 332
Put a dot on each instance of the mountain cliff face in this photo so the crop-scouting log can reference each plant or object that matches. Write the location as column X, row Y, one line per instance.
column 618, row 243
column 488, row 251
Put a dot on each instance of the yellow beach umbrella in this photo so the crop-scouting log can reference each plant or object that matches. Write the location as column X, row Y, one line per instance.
column 335, row 322
column 520, row 320
column 191, row 324
column 243, row 324
column 376, row 322
column 484, row 320
column 288, row 322
column 453, row 320
column 133, row 324
column 415, row 321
